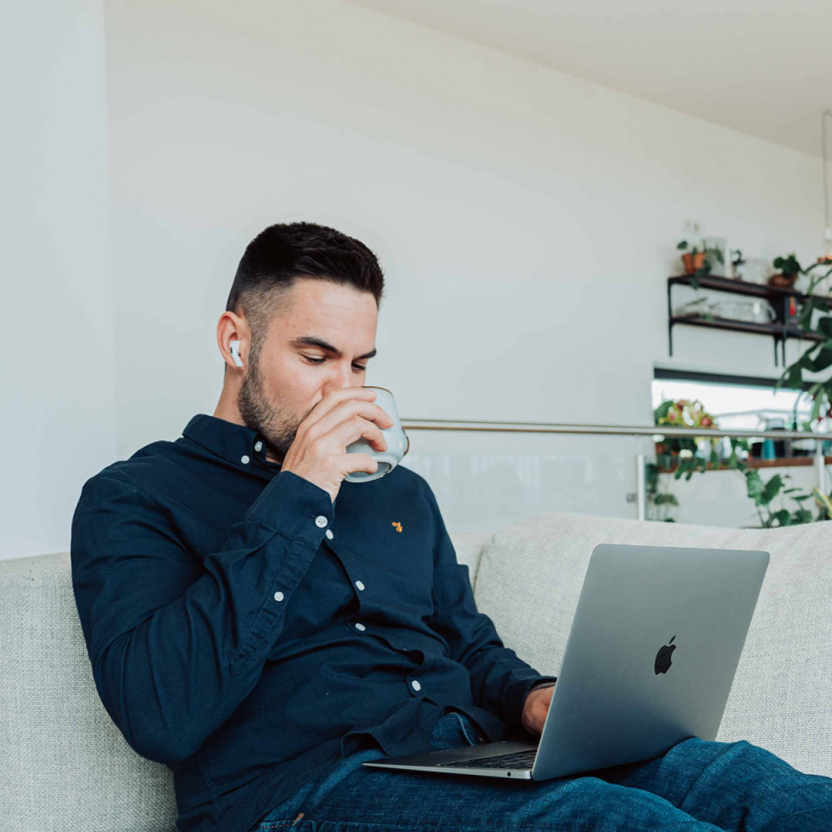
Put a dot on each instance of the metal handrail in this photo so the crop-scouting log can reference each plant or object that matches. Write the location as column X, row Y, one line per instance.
column 618, row 430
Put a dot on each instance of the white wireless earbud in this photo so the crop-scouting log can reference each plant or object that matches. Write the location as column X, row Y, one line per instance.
column 235, row 353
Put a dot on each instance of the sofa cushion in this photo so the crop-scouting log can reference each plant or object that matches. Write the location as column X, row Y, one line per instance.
column 469, row 547
column 530, row 577
column 64, row 765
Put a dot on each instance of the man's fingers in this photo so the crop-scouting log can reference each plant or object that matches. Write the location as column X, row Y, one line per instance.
column 333, row 399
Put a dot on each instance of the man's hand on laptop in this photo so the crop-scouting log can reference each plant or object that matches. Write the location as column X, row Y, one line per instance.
column 340, row 418
column 535, row 708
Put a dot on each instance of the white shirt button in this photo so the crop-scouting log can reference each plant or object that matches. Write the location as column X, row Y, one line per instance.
column 416, row 685
column 359, row 584
column 258, row 446
column 320, row 521
column 360, row 626
column 245, row 459
column 329, row 534
column 278, row 596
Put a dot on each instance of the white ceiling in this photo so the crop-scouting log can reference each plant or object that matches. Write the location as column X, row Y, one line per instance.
column 760, row 66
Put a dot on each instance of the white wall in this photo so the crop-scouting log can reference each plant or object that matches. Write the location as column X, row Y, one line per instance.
column 527, row 221
column 58, row 404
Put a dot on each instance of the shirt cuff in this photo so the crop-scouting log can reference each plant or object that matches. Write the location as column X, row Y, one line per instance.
column 294, row 507
column 547, row 682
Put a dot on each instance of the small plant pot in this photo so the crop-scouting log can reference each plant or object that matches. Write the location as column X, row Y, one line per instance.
column 782, row 281
column 693, row 262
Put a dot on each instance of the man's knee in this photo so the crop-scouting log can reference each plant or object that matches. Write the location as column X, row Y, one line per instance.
column 727, row 761
column 713, row 748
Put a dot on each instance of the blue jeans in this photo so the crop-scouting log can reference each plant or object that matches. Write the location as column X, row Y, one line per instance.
column 695, row 786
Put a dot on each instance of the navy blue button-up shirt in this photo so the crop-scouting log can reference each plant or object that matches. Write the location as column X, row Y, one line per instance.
column 248, row 632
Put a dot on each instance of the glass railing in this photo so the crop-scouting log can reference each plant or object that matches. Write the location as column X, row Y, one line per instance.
column 486, row 475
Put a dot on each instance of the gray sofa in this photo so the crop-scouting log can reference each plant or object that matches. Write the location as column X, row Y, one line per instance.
column 65, row 766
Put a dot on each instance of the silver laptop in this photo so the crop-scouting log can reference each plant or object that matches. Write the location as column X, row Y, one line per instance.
column 649, row 662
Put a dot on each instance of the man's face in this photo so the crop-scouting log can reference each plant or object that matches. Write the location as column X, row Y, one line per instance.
column 289, row 377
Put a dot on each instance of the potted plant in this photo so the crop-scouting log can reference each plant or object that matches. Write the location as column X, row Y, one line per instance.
column 683, row 413
column 680, row 452
column 693, row 259
column 697, row 261
column 790, row 269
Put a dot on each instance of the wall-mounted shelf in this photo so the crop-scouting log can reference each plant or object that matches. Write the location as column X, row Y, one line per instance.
column 756, row 462
column 780, row 330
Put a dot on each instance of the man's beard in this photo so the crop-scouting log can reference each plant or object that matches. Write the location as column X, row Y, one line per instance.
column 277, row 427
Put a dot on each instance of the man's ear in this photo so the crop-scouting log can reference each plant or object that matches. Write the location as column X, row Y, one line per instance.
column 233, row 339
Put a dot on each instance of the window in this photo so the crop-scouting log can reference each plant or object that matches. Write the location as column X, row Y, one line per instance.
column 739, row 402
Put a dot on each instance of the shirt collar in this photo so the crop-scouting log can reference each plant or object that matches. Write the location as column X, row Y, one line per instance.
column 239, row 444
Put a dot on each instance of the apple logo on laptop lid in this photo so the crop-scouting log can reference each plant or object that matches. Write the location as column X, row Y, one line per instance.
column 663, row 660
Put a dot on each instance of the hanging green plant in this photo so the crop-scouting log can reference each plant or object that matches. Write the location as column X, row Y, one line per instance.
column 817, row 357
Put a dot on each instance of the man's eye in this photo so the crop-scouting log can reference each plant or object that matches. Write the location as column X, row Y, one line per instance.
column 357, row 367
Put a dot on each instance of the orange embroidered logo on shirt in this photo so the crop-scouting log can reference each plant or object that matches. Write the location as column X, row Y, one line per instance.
column 397, row 525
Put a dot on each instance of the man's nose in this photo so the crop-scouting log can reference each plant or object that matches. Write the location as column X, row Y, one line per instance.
column 341, row 378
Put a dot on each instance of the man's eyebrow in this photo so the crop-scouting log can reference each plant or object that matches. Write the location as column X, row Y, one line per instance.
column 314, row 341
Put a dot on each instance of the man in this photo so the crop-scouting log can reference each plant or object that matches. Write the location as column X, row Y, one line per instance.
column 261, row 626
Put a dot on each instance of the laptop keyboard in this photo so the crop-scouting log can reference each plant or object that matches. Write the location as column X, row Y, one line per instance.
column 519, row 759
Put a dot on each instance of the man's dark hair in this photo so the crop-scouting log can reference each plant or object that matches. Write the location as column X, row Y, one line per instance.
column 284, row 253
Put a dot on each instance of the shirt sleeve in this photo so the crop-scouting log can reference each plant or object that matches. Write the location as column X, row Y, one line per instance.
column 500, row 680
column 544, row 683
column 176, row 643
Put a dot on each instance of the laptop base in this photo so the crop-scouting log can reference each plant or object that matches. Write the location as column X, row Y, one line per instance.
column 443, row 761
